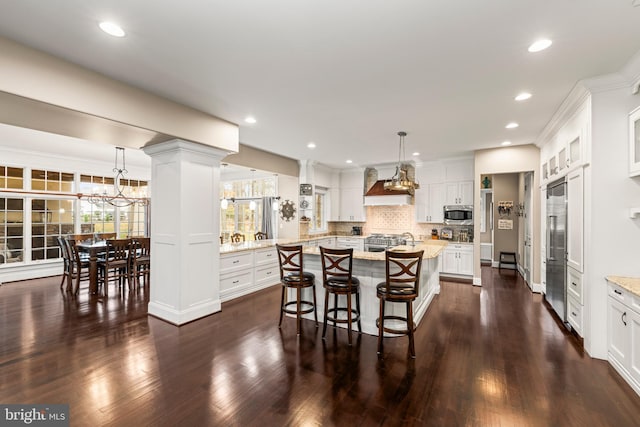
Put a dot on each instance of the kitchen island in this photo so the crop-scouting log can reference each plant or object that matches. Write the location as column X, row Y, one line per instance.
column 370, row 269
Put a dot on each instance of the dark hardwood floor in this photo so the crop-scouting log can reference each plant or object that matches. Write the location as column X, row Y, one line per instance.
column 490, row 356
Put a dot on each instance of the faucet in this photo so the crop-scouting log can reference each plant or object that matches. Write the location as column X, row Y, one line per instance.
column 413, row 239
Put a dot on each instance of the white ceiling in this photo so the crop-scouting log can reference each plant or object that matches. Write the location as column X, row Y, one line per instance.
column 346, row 75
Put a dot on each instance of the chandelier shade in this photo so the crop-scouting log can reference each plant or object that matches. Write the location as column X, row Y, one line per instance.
column 400, row 180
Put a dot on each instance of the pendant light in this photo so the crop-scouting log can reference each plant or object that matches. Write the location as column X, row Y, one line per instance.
column 399, row 181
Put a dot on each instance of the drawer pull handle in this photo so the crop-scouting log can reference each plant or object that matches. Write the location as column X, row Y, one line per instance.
column 269, row 254
column 617, row 292
column 623, row 316
column 574, row 284
column 573, row 314
column 236, row 281
column 268, row 272
column 236, row 261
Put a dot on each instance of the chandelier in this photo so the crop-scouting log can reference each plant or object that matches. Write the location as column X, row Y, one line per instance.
column 118, row 199
column 399, row 181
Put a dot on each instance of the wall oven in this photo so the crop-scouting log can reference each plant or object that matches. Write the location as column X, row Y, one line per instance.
column 458, row 215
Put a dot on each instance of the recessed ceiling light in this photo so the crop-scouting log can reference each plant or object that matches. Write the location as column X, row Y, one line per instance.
column 311, row 145
column 512, row 125
column 112, row 29
column 349, row 161
column 505, row 143
column 539, row 45
column 523, row 96
column 416, row 154
column 250, row 119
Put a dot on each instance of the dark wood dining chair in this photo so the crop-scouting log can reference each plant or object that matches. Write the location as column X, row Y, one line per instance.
column 78, row 267
column 260, row 236
column 337, row 279
column 115, row 264
column 401, row 286
column 293, row 276
column 65, row 260
column 237, row 238
column 140, row 252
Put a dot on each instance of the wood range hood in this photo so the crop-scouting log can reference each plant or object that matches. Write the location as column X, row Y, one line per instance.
column 378, row 196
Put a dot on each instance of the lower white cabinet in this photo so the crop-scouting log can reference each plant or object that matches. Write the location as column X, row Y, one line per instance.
column 244, row 272
column 623, row 325
column 350, row 242
column 457, row 259
column 575, row 300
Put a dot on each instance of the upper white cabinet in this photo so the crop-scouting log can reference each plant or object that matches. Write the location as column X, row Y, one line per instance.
column 352, row 196
column 634, row 142
column 459, row 193
column 429, row 201
column 458, row 170
column 575, row 215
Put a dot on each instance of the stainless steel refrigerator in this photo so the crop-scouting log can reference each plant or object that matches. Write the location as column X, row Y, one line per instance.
column 556, row 293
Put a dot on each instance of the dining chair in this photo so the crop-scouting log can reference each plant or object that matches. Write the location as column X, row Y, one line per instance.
column 140, row 252
column 115, row 264
column 78, row 266
column 337, row 279
column 65, row 259
column 293, row 276
column 237, row 237
column 260, row 236
column 401, row 286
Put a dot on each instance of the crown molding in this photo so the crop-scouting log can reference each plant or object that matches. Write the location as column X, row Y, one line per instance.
column 573, row 103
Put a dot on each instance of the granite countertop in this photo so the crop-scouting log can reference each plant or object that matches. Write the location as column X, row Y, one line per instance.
column 431, row 250
column 631, row 284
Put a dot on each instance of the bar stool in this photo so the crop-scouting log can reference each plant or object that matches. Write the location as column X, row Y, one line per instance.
column 292, row 276
column 401, row 285
column 337, row 279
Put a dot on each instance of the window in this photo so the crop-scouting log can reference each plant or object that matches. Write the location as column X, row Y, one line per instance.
column 42, row 180
column 320, row 205
column 11, row 178
column 11, row 230
column 50, row 218
column 240, row 194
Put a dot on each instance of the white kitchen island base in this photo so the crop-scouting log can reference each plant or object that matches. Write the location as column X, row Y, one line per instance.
column 370, row 269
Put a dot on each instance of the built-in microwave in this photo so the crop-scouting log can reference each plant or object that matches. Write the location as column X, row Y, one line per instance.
column 458, row 215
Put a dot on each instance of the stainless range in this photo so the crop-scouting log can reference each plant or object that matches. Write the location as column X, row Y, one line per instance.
column 381, row 242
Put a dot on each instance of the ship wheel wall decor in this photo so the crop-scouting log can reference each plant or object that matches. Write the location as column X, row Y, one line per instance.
column 287, row 210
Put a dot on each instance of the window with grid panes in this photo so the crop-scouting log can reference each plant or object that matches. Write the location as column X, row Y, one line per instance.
column 50, row 219
column 44, row 180
column 11, row 230
column 134, row 218
column 11, row 178
column 239, row 217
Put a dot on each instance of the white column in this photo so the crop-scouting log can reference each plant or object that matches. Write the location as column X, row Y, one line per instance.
column 185, row 228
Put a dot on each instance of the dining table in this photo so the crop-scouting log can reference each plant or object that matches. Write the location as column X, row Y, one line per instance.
column 94, row 248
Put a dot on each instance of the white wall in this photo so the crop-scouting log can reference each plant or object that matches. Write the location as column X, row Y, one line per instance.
column 288, row 190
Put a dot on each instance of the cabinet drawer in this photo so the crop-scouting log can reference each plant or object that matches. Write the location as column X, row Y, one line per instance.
column 235, row 261
column 266, row 256
column 268, row 274
column 619, row 294
column 574, row 314
column 234, row 281
column 574, row 284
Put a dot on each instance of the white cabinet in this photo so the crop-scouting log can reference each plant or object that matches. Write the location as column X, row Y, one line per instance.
column 350, row 242
column 575, row 215
column 245, row 272
column 458, row 259
column 623, row 324
column 351, row 207
column 634, row 142
column 429, row 202
column 458, row 170
column 459, row 193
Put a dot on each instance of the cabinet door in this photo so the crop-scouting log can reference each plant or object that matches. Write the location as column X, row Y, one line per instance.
column 634, row 142
column 451, row 193
column 449, row 262
column 421, row 201
column 465, row 192
column 634, row 355
column 436, row 203
column 618, row 331
column 334, row 195
column 575, row 197
column 351, row 205
column 465, row 259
